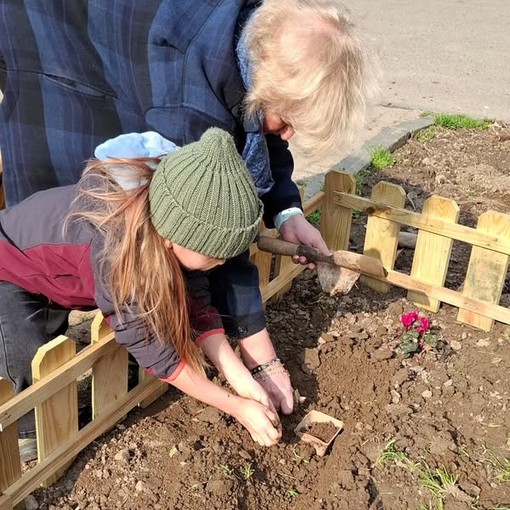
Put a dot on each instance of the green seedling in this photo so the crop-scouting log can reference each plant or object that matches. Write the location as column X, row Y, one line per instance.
column 315, row 218
column 502, row 467
column 390, row 454
column 356, row 214
column 503, row 474
column 459, row 121
column 381, row 157
column 247, row 471
column 291, row 493
column 226, row 471
column 300, row 458
column 439, row 482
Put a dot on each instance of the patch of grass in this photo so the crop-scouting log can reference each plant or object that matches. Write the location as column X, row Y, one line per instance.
column 291, row 493
column 315, row 217
column 501, row 467
column 247, row 470
column 389, row 454
column 226, row 471
column 503, row 474
column 459, row 121
column 360, row 177
column 381, row 157
column 425, row 135
column 439, row 482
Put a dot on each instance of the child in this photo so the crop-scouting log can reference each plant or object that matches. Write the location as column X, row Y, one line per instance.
column 138, row 256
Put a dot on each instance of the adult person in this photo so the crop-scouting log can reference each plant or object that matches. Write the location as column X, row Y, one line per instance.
column 77, row 73
column 136, row 254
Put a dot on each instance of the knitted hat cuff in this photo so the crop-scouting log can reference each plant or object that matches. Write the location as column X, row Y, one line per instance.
column 210, row 240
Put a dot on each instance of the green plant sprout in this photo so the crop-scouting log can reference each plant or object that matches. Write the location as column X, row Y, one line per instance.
column 459, row 121
column 439, row 482
column 300, row 458
column 391, row 454
column 501, row 466
column 381, row 157
column 291, row 493
column 247, row 471
column 226, row 471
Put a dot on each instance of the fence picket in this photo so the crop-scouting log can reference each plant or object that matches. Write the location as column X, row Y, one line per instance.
column 10, row 466
column 336, row 221
column 57, row 417
column 381, row 238
column 432, row 252
column 109, row 373
column 487, row 270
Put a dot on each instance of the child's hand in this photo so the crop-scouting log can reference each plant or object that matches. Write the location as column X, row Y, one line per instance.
column 262, row 423
column 247, row 387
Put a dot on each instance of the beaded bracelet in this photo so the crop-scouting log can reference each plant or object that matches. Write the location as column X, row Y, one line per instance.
column 262, row 367
column 266, row 374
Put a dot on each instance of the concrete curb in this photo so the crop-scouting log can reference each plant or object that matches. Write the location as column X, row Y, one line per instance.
column 390, row 138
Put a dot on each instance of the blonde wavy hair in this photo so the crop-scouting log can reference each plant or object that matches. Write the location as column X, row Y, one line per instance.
column 140, row 269
column 311, row 69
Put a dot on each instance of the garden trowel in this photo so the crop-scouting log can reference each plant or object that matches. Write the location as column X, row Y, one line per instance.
column 337, row 272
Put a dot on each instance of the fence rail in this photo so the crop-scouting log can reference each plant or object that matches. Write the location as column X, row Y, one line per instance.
column 56, row 367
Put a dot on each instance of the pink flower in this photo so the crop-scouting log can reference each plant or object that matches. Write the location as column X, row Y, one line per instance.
column 407, row 319
column 423, row 325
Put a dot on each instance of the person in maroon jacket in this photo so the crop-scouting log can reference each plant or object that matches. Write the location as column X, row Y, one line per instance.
column 138, row 253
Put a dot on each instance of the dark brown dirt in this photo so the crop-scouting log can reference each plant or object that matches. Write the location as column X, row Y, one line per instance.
column 403, row 418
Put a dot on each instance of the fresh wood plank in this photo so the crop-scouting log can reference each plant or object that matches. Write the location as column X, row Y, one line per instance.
column 432, row 251
column 23, row 402
column 486, row 271
column 381, row 238
column 56, row 416
column 10, row 466
column 109, row 375
column 336, row 226
column 279, row 282
column 451, row 297
column 74, row 445
column 452, row 230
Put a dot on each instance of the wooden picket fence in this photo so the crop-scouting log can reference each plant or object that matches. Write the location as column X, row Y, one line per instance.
column 57, row 367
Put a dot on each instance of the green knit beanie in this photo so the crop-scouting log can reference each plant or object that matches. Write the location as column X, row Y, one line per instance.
column 202, row 197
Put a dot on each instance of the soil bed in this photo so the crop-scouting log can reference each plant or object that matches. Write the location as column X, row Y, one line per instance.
column 406, row 420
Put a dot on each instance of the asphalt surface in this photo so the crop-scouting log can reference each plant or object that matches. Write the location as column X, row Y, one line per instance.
column 441, row 55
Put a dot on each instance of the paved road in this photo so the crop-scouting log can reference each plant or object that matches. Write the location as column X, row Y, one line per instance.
column 441, row 55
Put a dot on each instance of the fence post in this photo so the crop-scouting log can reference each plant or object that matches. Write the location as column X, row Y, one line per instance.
column 381, row 238
column 487, row 270
column 336, row 221
column 57, row 416
column 432, row 252
column 109, row 374
column 10, row 465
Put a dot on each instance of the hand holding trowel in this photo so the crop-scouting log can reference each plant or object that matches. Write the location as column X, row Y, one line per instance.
column 337, row 271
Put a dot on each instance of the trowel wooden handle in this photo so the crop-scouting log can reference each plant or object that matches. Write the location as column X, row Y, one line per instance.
column 279, row 247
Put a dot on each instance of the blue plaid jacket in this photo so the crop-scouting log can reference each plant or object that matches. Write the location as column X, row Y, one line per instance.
column 75, row 73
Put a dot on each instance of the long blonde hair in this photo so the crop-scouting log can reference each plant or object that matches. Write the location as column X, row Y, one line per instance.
column 311, row 69
column 141, row 270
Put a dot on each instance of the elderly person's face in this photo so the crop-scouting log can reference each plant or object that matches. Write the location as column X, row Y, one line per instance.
column 275, row 125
